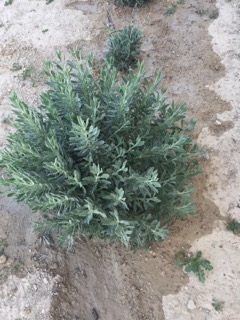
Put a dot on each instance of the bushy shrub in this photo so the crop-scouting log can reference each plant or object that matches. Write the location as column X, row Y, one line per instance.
column 102, row 155
column 124, row 47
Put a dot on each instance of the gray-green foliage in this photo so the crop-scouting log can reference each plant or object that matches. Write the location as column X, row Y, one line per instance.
column 233, row 225
column 102, row 155
column 171, row 9
column 130, row 3
column 218, row 305
column 194, row 263
column 214, row 14
column 8, row 2
column 124, row 47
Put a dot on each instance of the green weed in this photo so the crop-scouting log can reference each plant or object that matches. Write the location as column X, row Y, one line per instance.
column 8, row 2
column 16, row 67
column 218, row 305
column 3, row 244
column 214, row 14
column 7, row 120
column 27, row 73
column 193, row 263
column 17, row 266
column 171, row 9
column 233, row 225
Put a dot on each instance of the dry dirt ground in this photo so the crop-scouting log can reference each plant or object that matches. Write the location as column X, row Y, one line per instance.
column 200, row 60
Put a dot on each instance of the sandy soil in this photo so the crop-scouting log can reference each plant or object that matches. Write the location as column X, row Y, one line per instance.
column 194, row 301
column 200, row 62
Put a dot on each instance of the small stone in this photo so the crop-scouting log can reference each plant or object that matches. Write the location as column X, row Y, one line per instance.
column 154, row 254
column 191, row 305
column 45, row 280
column 3, row 259
column 54, row 266
column 218, row 123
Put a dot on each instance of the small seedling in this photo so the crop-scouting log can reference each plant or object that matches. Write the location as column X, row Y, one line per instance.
column 3, row 244
column 171, row 9
column 7, row 120
column 200, row 12
column 180, row 1
column 8, row 2
column 193, row 263
column 16, row 67
column 124, row 47
column 27, row 72
column 1, row 24
column 45, row 30
column 233, row 225
column 17, row 266
column 49, row 1
column 214, row 14
column 33, row 81
column 218, row 305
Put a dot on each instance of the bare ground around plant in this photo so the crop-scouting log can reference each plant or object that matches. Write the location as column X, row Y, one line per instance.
column 199, row 57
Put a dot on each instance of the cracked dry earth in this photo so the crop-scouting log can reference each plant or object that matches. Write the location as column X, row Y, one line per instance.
column 200, row 60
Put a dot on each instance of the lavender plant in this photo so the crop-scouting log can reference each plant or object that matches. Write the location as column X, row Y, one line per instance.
column 124, row 47
column 103, row 155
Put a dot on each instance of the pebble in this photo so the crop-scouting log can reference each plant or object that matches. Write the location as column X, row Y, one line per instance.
column 218, row 123
column 45, row 280
column 3, row 259
column 54, row 266
column 191, row 305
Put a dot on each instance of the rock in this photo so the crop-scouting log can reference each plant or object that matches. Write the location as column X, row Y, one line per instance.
column 3, row 259
column 191, row 305
column 54, row 266
column 45, row 280
column 154, row 254
column 218, row 123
